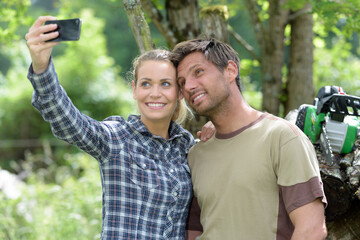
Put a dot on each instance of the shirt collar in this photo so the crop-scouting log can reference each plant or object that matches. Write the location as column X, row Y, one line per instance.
column 175, row 130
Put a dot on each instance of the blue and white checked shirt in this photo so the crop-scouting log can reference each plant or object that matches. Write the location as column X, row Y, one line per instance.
column 146, row 183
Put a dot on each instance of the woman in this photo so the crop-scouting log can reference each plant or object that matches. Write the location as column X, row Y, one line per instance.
column 144, row 173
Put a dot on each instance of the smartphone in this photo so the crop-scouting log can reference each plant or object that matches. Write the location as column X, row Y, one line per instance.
column 69, row 29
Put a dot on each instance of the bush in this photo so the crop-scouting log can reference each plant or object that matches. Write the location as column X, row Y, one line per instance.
column 67, row 210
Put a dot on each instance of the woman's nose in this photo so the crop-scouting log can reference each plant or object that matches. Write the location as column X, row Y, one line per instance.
column 155, row 91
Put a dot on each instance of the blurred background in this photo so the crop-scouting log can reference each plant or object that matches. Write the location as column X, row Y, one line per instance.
column 51, row 190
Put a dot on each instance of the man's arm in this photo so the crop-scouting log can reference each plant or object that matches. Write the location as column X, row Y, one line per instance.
column 309, row 221
column 193, row 225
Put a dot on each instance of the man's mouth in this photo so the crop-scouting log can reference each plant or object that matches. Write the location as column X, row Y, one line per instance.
column 198, row 97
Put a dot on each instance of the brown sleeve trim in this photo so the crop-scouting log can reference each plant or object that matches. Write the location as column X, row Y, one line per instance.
column 300, row 194
column 193, row 222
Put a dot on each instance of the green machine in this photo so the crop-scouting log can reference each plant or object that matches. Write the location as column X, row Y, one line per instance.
column 333, row 121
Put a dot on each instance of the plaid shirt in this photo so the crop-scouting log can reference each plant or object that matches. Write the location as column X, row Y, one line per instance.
column 146, row 185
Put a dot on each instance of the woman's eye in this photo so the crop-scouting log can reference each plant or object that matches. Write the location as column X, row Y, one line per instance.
column 145, row 84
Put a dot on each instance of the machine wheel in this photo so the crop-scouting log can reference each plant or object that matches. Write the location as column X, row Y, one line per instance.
column 300, row 119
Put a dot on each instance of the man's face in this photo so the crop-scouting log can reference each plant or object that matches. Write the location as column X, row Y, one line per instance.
column 203, row 85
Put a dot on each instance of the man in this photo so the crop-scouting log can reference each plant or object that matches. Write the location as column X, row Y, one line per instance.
column 258, row 176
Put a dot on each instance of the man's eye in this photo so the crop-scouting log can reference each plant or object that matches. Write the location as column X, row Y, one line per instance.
column 198, row 71
column 165, row 84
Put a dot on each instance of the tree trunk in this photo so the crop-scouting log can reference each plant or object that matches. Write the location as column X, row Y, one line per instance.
column 271, row 42
column 138, row 24
column 183, row 18
column 214, row 21
column 160, row 22
column 300, row 88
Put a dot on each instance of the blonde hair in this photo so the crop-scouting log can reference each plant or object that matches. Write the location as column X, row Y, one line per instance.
column 182, row 110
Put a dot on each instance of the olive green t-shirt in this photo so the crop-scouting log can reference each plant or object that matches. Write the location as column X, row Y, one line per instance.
column 246, row 183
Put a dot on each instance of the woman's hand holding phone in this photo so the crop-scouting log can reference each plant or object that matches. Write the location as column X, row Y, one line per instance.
column 36, row 38
column 47, row 32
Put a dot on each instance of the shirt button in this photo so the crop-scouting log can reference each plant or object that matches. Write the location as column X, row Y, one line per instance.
column 144, row 165
column 170, row 218
column 175, row 194
column 171, row 170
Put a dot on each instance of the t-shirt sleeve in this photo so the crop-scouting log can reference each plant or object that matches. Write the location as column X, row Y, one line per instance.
column 301, row 194
column 193, row 222
column 298, row 173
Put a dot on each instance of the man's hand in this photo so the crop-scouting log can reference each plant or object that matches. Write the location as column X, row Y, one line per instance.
column 40, row 50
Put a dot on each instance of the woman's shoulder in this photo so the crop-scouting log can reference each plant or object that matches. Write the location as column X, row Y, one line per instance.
column 117, row 124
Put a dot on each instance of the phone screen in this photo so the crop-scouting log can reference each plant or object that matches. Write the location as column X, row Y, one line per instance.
column 69, row 29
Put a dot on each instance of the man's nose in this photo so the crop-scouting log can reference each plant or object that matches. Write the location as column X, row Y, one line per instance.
column 190, row 84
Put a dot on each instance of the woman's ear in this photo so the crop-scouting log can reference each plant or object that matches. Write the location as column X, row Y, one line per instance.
column 134, row 89
column 232, row 70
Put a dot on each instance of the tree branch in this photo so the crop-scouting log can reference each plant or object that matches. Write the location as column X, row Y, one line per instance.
column 260, row 31
column 306, row 10
column 158, row 20
column 138, row 24
column 243, row 43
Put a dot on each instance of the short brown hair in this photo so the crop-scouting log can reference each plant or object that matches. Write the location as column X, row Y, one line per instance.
column 215, row 51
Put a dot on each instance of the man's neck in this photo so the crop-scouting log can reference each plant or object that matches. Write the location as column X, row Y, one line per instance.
column 236, row 115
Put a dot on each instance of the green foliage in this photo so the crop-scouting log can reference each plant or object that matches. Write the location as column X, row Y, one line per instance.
column 85, row 70
column 121, row 44
column 56, row 211
column 93, row 82
column 18, row 119
column 344, row 14
column 249, row 91
column 295, row 5
column 336, row 66
column 12, row 16
column 263, row 10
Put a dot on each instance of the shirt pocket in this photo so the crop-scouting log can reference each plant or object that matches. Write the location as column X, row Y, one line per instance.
column 144, row 170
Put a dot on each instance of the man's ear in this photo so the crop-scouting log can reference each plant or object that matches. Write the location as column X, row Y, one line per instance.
column 232, row 70
column 134, row 89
